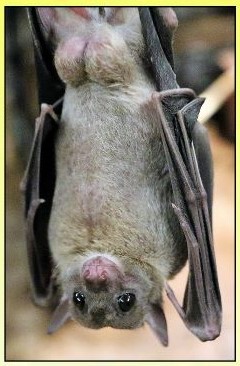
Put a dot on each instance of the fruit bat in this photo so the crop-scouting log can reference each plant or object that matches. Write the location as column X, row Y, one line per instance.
column 118, row 187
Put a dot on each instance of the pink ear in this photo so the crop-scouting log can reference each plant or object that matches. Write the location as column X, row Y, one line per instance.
column 47, row 16
column 157, row 321
column 60, row 315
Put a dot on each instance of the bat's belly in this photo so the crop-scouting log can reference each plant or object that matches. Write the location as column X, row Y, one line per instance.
column 112, row 191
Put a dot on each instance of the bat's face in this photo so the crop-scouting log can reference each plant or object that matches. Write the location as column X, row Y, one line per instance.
column 101, row 294
column 97, row 44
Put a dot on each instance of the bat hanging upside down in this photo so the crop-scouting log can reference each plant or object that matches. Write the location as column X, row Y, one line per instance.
column 118, row 188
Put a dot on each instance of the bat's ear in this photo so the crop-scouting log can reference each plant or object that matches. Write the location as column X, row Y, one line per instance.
column 157, row 321
column 60, row 315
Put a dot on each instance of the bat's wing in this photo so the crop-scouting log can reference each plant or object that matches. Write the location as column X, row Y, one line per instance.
column 50, row 87
column 39, row 179
column 189, row 163
column 158, row 47
column 165, row 23
column 201, row 311
column 38, row 188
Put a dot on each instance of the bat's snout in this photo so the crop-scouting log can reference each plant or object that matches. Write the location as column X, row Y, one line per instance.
column 99, row 272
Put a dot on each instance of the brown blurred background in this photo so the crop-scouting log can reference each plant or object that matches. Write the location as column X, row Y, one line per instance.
column 204, row 45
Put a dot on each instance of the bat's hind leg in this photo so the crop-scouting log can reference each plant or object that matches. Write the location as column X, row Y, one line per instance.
column 46, row 109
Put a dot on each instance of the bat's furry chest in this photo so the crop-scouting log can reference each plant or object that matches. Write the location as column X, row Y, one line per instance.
column 112, row 191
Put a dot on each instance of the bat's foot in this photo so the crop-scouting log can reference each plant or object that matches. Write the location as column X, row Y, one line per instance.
column 46, row 109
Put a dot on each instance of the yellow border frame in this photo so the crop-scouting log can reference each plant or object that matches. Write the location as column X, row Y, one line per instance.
column 2, row 156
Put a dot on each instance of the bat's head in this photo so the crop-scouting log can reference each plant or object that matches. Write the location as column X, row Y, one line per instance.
column 101, row 292
column 103, row 295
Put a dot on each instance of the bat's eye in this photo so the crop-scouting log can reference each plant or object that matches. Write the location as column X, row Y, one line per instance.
column 126, row 301
column 79, row 299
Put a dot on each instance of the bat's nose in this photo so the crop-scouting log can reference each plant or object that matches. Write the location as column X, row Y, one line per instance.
column 98, row 316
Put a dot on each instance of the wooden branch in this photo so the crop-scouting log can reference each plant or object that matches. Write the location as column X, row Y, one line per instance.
column 217, row 94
